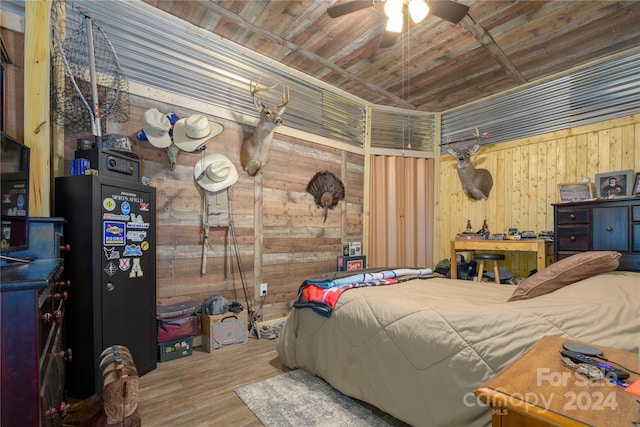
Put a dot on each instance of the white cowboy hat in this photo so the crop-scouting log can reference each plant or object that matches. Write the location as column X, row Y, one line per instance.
column 156, row 127
column 193, row 132
column 215, row 172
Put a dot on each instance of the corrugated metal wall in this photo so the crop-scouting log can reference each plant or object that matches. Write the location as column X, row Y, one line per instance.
column 601, row 92
column 156, row 50
column 161, row 52
column 395, row 128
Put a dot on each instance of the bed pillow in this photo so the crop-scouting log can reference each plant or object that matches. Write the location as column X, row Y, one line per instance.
column 565, row 272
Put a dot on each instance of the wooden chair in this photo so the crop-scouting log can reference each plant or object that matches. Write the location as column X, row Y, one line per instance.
column 481, row 258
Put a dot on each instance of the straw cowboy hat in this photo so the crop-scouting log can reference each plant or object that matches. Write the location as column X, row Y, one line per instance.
column 156, row 127
column 215, row 172
column 193, row 132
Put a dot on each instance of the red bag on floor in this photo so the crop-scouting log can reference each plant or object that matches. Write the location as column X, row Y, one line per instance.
column 178, row 320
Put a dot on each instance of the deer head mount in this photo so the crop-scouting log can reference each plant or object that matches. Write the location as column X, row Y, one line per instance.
column 255, row 149
column 476, row 183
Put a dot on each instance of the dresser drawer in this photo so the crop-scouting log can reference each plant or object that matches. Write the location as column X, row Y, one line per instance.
column 630, row 262
column 611, row 229
column 573, row 216
column 599, row 225
column 573, row 238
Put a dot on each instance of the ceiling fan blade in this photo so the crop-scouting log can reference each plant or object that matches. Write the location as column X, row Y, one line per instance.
column 348, row 7
column 388, row 39
column 448, row 10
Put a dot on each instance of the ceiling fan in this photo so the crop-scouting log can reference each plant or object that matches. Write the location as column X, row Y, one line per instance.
column 397, row 9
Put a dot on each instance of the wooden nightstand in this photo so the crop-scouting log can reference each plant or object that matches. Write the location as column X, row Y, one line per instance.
column 538, row 390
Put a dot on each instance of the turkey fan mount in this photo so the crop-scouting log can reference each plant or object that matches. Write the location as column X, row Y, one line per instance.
column 327, row 190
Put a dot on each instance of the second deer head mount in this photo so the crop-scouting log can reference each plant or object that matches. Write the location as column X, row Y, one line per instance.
column 255, row 149
column 476, row 183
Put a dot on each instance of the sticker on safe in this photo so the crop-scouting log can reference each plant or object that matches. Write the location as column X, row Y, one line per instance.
column 114, row 233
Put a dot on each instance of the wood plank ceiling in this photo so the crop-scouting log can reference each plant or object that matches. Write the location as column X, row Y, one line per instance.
column 435, row 65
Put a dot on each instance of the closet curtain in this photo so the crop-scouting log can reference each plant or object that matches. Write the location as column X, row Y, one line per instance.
column 401, row 212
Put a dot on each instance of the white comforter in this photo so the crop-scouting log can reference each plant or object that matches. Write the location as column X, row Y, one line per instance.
column 418, row 350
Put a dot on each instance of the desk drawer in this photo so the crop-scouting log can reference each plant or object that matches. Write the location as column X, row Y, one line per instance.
column 573, row 238
column 573, row 216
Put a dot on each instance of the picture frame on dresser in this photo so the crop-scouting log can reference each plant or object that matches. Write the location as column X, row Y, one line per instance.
column 636, row 185
column 575, row 192
column 614, row 184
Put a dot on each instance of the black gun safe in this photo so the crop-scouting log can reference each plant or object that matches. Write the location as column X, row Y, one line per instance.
column 111, row 224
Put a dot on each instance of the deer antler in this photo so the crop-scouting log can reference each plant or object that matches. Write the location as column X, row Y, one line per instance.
column 254, row 87
column 476, row 137
column 285, row 96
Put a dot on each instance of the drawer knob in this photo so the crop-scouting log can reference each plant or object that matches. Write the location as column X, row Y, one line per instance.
column 572, row 238
column 60, row 296
column 609, row 228
column 572, row 216
column 55, row 317
column 63, row 283
column 61, row 409
column 67, row 355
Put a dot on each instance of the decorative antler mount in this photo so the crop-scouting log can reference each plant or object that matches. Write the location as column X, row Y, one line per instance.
column 254, row 152
column 476, row 183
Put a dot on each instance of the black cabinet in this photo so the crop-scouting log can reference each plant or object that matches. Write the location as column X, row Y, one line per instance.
column 600, row 225
column 111, row 226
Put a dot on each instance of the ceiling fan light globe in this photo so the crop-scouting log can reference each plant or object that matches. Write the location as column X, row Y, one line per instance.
column 418, row 10
column 394, row 24
column 393, row 7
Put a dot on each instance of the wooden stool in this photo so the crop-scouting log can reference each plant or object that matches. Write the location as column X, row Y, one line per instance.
column 481, row 258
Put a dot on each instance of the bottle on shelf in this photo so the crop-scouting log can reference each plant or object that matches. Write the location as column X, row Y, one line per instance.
column 468, row 226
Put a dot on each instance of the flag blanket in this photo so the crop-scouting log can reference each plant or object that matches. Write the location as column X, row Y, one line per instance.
column 322, row 295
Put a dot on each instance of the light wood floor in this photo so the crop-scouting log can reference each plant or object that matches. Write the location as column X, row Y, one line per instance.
column 198, row 390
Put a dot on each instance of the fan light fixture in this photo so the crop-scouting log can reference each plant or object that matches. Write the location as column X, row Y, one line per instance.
column 418, row 10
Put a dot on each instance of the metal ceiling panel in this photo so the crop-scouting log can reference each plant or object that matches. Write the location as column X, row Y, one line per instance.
column 600, row 92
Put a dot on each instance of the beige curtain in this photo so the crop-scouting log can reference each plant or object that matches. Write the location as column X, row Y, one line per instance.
column 401, row 214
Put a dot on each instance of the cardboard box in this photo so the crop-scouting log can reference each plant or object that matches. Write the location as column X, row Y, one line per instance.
column 351, row 263
column 175, row 349
column 223, row 330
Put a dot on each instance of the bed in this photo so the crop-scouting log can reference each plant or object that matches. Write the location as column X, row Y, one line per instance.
column 418, row 349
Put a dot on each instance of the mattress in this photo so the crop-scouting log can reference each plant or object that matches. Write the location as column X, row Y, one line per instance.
column 418, row 350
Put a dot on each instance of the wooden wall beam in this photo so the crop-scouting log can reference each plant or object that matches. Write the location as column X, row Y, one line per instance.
column 37, row 126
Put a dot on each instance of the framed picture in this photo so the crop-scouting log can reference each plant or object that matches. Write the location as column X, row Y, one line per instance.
column 575, row 192
column 614, row 184
column 636, row 185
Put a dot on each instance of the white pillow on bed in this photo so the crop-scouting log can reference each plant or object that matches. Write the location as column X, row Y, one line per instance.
column 565, row 272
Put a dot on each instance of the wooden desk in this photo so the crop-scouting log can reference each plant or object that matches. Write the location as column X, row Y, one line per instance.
column 540, row 247
column 538, row 390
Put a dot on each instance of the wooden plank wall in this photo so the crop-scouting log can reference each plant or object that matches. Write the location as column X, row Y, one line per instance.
column 281, row 242
column 526, row 173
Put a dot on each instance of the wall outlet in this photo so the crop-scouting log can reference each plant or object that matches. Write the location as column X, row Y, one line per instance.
column 263, row 289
